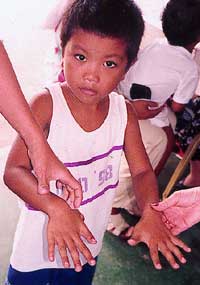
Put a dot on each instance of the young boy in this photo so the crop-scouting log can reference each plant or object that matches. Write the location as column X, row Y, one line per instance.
column 87, row 126
column 164, row 68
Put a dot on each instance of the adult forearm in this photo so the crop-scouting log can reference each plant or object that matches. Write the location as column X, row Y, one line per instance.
column 13, row 105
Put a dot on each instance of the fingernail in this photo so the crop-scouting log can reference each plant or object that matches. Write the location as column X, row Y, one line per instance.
column 93, row 240
column 51, row 258
column 158, row 266
column 66, row 264
column 176, row 266
column 189, row 249
column 92, row 262
column 154, row 204
column 78, row 268
column 183, row 260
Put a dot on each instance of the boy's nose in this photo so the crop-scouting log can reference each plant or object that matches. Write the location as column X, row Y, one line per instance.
column 91, row 74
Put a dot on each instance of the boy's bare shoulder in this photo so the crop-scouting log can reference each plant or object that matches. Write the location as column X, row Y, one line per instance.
column 130, row 109
column 42, row 106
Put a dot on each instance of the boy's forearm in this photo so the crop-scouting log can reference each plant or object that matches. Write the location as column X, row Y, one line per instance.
column 26, row 189
column 146, row 189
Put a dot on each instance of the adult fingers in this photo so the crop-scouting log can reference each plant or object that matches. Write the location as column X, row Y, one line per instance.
column 43, row 184
column 74, row 187
column 165, row 204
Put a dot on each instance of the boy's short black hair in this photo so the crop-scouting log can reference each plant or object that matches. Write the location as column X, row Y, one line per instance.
column 113, row 18
column 181, row 22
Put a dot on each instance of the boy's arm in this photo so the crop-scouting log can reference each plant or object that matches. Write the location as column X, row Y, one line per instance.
column 65, row 225
column 16, row 111
column 150, row 229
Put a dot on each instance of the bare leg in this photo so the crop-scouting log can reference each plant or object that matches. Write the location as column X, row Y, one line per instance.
column 193, row 178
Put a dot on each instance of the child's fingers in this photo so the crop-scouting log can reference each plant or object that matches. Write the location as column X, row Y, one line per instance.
column 72, row 248
column 51, row 247
column 134, row 239
column 85, row 251
column 181, row 244
column 63, row 252
column 166, row 251
column 86, row 233
column 153, row 250
column 176, row 252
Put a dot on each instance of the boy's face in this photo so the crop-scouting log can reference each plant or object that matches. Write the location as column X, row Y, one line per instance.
column 93, row 65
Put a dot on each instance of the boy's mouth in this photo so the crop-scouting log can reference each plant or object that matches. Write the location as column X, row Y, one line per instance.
column 88, row 91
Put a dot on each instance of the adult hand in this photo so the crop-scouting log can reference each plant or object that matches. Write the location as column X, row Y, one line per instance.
column 146, row 109
column 181, row 210
column 47, row 167
column 153, row 232
column 65, row 229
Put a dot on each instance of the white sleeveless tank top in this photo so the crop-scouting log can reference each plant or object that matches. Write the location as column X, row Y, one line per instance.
column 93, row 158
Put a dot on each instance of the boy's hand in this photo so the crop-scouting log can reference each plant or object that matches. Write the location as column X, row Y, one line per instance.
column 65, row 229
column 146, row 109
column 47, row 167
column 181, row 210
column 152, row 231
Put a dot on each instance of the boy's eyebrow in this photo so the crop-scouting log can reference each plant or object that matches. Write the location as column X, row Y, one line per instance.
column 76, row 46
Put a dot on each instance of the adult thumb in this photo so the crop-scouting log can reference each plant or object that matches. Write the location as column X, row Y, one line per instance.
column 43, row 185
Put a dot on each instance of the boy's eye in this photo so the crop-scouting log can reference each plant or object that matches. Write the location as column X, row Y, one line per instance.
column 80, row 57
column 110, row 64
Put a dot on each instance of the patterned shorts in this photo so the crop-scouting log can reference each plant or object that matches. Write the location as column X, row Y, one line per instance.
column 188, row 126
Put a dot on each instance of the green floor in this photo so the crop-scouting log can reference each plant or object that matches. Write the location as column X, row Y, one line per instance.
column 119, row 264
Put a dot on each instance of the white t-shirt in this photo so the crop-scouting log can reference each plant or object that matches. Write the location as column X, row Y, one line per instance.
column 167, row 70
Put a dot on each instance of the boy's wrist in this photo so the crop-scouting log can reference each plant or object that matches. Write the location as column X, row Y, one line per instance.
column 56, row 206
